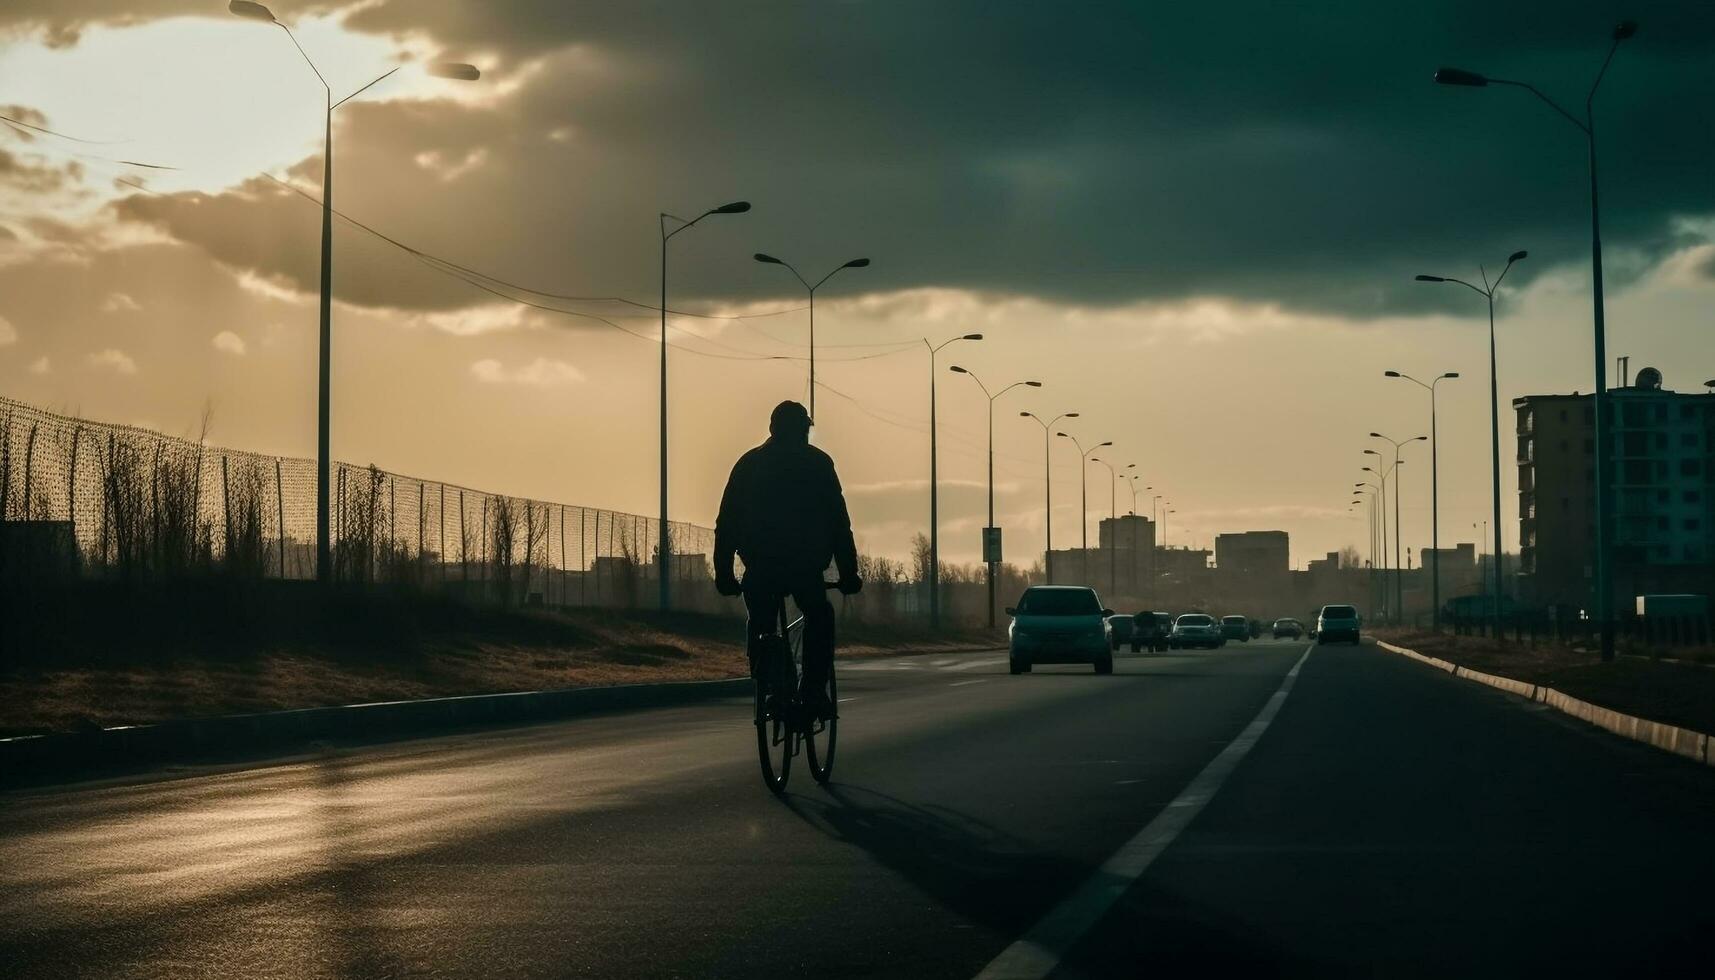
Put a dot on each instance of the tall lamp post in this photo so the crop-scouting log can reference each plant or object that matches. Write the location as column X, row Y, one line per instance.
column 1488, row 292
column 1455, row 76
column 1113, row 526
column 453, row 70
column 1047, row 489
column 992, row 565
column 1084, row 500
column 664, row 546
column 1381, row 474
column 1398, row 569
column 1369, row 491
column 853, row 264
column 935, row 484
column 1435, row 489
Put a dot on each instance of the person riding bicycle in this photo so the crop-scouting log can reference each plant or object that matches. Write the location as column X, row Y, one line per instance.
column 784, row 514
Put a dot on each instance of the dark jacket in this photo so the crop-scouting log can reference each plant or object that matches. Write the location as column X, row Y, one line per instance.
column 783, row 513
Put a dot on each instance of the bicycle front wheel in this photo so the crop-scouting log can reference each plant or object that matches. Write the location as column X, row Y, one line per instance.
column 819, row 744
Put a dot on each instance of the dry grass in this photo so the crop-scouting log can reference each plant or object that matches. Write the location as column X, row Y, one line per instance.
column 1678, row 693
column 523, row 652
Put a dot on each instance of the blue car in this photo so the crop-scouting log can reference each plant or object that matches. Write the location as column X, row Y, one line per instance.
column 1059, row 624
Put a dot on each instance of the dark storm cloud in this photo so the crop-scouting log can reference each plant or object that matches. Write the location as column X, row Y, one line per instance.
column 1097, row 153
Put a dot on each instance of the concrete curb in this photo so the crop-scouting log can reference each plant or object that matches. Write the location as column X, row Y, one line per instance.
column 1684, row 742
column 38, row 759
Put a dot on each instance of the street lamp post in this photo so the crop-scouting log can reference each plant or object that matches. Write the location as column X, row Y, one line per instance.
column 992, row 565
column 935, row 484
column 1047, row 489
column 324, row 407
column 664, row 545
column 853, row 264
column 1435, row 491
column 1370, row 492
column 1113, row 527
column 1604, row 464
column 1382, row 474
column 1488, row 291
column 1084, row 501
column 1398, row 569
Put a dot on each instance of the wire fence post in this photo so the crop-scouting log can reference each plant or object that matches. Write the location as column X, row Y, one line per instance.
column 71, row 486
column 225, row 509
column 442, row 497
column 104, row 501
column 280, row 514
column 29, row 470
column 464, row 546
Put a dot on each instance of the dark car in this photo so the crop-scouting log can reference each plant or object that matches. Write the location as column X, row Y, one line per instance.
column 1288, row 629
column 1337, row 623
column 1151, row 630
column 1122, row 631
column 1059, row 624
column 1236, row 628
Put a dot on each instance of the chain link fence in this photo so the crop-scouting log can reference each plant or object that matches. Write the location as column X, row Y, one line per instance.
column 87, row 499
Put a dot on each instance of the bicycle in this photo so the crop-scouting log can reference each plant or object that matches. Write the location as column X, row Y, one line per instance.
column 783, row 724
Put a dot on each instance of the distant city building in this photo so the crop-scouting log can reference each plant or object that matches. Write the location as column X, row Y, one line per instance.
column 1663, row 536
column 1253, row 552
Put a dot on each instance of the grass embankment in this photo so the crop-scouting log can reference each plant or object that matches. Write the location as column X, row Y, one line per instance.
column 1680, row 693
column 294, row 652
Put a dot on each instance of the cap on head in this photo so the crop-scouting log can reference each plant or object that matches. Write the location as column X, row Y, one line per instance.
column 789, row 418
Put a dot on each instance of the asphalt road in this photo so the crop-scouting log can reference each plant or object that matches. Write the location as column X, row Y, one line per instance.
column 1391, row 820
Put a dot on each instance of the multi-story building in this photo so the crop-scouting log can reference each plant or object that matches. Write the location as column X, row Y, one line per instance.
column 1253, row 552
column 1663, row 494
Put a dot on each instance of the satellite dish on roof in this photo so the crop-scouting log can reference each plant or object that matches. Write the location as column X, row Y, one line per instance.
column 1648, row 378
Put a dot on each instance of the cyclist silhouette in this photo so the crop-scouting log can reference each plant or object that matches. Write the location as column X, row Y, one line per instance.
column 783, row 513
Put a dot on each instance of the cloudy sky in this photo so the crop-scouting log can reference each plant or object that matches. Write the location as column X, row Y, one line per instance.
column 1196, row 224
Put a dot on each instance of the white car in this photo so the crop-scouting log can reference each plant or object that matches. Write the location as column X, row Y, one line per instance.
column 1196, row 630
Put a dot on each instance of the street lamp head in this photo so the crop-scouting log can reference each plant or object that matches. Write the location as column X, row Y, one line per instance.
column 1026, row 415
column 1625, row 29
column 1376, row 435
column 972, row 336
column 1071, row 415
column 455, row 70
column 1101, row 444
column 957, row 369
column 1419, row 439
column 251, row 11
column 1459, row 76
column 1516, row 256
column 1390, row 374
column 1033, row 384
column 1062, row 435
column 1131, row 466
column 736, row 207
column 856, row 264
column 1451, row 374
column 764, row 257
column 1431, row 279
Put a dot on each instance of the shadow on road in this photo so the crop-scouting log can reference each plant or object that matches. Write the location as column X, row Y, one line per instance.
column 968, row 865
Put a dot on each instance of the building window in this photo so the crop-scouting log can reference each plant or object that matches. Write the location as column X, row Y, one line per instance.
column 1688, row 440
column 1661, row 524
column 1690, row 467
column 1661, row 440
column 1693, row 524
column 1662, row 496
column 1692, row 496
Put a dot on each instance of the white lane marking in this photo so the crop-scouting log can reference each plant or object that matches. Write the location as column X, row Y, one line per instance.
column 969, row 664
column 1037, row 953
column 852, row 698
column 974, row 680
